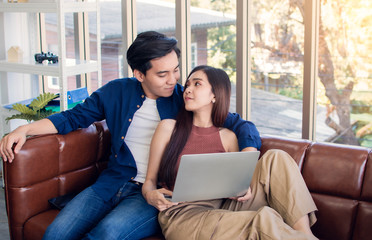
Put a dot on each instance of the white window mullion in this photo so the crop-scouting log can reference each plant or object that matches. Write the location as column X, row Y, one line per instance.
column 129, row 31
column 243, row 58
column 183, row 35
column 310, row 68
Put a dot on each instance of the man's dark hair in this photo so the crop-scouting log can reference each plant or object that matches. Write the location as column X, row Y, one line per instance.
column 147, row 46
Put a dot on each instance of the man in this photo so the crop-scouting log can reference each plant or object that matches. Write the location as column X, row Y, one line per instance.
column 113, row 207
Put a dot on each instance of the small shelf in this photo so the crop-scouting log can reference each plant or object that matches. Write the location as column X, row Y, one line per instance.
column 49, row 7
column 65, row 66
column 72, row 67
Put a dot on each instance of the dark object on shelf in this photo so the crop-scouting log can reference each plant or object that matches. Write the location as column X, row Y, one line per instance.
column 40, row 57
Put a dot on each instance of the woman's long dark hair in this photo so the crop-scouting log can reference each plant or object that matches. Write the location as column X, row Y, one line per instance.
column 221, row 88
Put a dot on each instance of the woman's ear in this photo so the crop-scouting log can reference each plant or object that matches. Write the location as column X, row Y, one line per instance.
column 139, row 75
column 214, row 98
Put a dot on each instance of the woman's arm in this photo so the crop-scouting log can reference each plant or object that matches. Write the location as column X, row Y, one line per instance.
column 160, row 140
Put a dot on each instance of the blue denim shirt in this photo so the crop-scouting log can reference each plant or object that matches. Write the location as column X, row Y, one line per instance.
column 117, row 101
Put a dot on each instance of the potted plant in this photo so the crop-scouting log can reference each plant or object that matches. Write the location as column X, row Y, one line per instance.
column 36, row 110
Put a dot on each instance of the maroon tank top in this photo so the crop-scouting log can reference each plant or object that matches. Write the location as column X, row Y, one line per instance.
column 202, row 140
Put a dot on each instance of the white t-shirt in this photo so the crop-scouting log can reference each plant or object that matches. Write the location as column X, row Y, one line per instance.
column 139, row 135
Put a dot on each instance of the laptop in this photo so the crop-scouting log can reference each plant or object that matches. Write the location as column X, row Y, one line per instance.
column 214, row 175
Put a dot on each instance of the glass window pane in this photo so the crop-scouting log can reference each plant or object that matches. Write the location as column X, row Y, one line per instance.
column 76, row 51
column 277, row 67
column 213, row 31
column 157, row 16
column 50, row 43
column 111, row 40
column 345, row 72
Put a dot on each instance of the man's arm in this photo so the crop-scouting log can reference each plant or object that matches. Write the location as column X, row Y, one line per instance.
column 248, row 136
column 18, row 137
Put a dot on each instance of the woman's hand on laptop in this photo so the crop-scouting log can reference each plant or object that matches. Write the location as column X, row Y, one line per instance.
column 157, row 199
column 244, row 198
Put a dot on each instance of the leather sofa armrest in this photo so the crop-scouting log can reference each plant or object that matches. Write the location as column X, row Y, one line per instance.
column 52, row 165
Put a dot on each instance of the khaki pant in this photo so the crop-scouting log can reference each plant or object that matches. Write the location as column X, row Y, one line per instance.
column 280, row 199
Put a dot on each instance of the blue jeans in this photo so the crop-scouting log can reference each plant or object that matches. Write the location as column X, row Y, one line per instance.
column 126, row 216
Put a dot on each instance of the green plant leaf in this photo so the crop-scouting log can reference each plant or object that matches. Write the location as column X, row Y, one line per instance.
column 43, row 114
column 36, row 109
column 42, row 100
column 31, row 117
column 23, row 109
column 28, row 117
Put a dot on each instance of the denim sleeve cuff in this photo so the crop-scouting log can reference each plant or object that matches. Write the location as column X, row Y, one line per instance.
column 58, row 121
column 249, row 141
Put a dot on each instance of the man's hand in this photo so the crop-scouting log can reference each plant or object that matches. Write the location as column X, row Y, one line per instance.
column 156, row 198
column 17, row 137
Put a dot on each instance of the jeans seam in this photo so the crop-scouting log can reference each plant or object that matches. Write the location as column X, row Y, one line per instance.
column 118, row 196
column 134, row 230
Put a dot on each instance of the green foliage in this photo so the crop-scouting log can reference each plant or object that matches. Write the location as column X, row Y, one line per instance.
column 366, row 141
column 360, row 106
column 295, row 93
column 36, row 110
column 222, row 54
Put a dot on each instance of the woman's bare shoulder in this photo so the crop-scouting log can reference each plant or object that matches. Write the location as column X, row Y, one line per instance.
column 229, row 140
column 224, row 132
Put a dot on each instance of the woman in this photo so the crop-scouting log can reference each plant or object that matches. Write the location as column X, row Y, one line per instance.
column 276, row 206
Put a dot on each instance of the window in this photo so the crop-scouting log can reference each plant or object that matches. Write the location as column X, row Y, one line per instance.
column 277, row 67
column 213, row 29
column 343, row 81
column 345, row 72
column 53, row 82
column 194, row 54
column 156, row 15
column 111, row 40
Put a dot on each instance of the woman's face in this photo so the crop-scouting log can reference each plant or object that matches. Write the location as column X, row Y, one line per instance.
column 198, row 93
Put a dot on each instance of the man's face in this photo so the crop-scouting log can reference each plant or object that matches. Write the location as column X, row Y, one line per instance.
column 161, row 78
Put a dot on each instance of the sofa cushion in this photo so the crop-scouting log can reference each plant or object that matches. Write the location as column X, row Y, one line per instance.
column 335, row 169
column 363, row 222
column 37, row 161
column 295, row 148
column 335, row 216
column 367, row 183
column 35, row 227
column 29, row 201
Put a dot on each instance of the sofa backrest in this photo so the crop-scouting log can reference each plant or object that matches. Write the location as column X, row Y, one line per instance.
column 339, row 178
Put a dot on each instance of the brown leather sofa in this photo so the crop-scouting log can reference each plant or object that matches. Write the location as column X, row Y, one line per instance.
column 339, row 178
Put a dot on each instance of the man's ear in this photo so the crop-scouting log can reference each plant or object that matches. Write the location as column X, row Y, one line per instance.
column 139, row 75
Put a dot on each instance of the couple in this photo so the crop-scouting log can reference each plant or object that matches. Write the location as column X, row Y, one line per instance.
column 114, row 207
